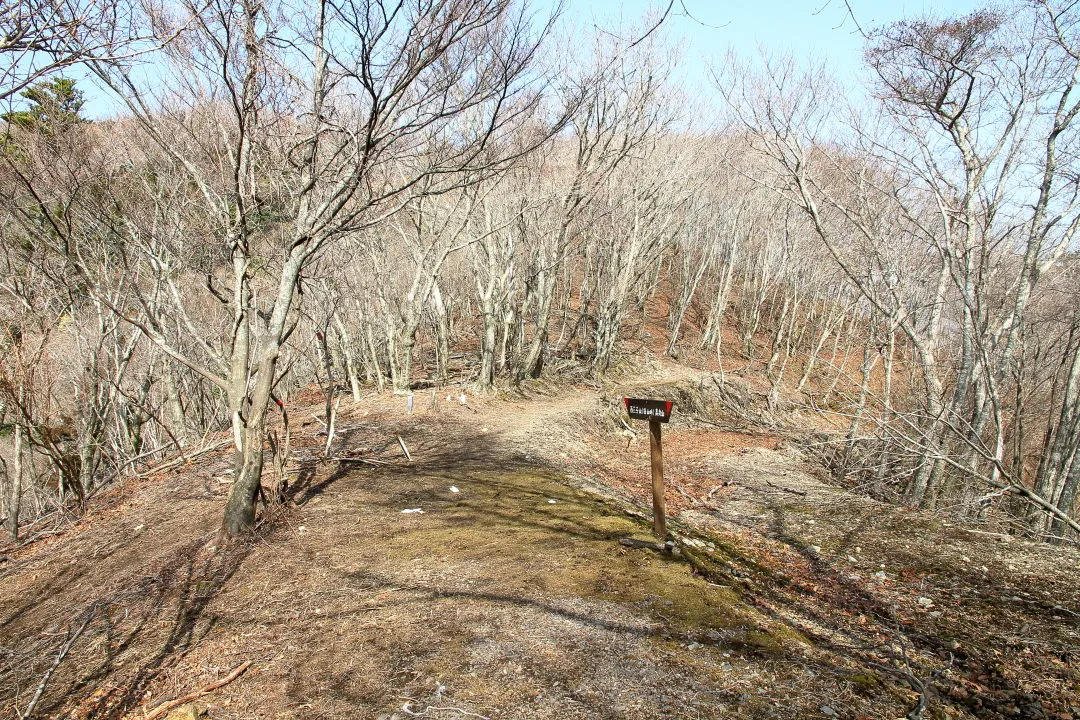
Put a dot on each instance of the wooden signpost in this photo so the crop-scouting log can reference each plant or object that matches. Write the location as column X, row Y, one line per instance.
column 656, row 412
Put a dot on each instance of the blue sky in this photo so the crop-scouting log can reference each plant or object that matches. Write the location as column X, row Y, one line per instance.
column 819, row 29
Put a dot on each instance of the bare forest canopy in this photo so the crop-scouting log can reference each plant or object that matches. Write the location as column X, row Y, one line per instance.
column 395, row 195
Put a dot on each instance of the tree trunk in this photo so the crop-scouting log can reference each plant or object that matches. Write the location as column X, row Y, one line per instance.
column 349, row 356
column 240, row 509
column 1067, row 499
column 442, row 334
column 545, row 291
column 174, row 408
column 15, row 496
column 487, row 343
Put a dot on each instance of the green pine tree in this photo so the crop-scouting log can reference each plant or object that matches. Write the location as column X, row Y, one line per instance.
column 54, row 107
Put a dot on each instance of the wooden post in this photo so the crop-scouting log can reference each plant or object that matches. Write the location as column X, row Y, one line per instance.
column 656, row 412
column 657, row 454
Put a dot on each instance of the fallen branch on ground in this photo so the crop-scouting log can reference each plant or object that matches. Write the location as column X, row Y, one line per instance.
column 666, row 547
column 685, row 494
column 64, row 649
column 167, row 706
column 366, row 461
column 771, row 484
column 718, row 487
column 408, row 711
column 184, row 458
column 404, row 449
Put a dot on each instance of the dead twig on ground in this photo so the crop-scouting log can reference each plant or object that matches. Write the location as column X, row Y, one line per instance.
column 916, row 713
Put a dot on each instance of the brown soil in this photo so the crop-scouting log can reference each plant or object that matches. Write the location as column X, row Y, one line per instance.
column 792, row 599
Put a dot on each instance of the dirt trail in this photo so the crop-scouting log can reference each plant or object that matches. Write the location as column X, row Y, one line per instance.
column 509, row 596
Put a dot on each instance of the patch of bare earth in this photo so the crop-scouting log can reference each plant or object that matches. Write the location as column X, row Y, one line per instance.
column 505, row 593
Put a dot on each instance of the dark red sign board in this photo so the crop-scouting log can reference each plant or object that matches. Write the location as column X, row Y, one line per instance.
column 639, row 409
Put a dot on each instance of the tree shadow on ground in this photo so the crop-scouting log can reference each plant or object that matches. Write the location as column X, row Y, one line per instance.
column 869, row 636
column 160, row 613
column 482, row 466
column 149, row 623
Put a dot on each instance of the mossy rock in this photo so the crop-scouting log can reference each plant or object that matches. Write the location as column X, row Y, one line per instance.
column 189, row 711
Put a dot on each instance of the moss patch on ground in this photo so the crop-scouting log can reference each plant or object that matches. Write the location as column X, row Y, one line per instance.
column 571, row 547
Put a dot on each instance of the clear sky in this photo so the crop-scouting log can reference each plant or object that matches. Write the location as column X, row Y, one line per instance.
column 819, row 29
column 822, row 30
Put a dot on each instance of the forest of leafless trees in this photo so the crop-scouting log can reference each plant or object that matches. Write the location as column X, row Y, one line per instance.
column 402, row 194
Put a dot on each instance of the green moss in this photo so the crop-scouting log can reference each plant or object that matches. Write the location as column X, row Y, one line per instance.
column 867, row 682
column 570, row 548
column 764, row 642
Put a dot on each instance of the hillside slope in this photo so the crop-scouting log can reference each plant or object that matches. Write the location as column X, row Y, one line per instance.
column 509, row 595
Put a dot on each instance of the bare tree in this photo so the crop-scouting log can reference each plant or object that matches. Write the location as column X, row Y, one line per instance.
column 40, row 38
column 401, row 101
column 961, row 129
